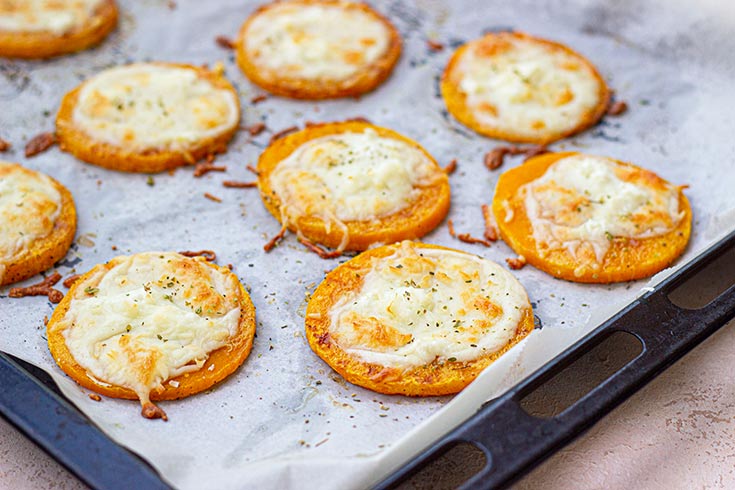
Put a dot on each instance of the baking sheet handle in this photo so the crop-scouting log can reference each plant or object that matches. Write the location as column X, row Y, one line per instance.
column 67, row 435
column 514, row 441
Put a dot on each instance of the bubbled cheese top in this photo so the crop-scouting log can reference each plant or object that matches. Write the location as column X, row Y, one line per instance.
column 351, row 176
column 154, row 106
column 30, row 204
column 583, row 202
column 526, row 87
column 55, row 16
column 315, row 41
column 422, row 304
column 150, row 317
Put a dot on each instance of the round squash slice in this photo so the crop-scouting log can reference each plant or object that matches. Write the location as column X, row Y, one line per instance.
column 148, row 117
column 152, row 326
column 416, row 319
column 586, row 218
column 317, row 49
column 349, row 185
column 519, row 88
column 46, row 28
column 37, row 222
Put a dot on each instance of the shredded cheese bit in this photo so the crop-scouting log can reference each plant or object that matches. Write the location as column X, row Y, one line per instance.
column 351, row 177
column 583, row 203
column 55, row 16
column 154, row 106
column 30, row 204
column 315, row 41
column 525, row 86
column 418, row 305
column 154, row 316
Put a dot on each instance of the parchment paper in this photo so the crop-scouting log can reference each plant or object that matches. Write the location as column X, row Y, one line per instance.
column 285, row 420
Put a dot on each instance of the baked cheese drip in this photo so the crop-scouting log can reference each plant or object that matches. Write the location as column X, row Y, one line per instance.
column 29, row 207
column 416, row 306
column 315, row 41
column 350, row 177
column 55, row 16
column 150, row 106
column 582, row 203
column 525, row 87
column 151, row 317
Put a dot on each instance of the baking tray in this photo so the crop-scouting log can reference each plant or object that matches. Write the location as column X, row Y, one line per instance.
column 515, row 437
column 513, row 441
column 594, row 27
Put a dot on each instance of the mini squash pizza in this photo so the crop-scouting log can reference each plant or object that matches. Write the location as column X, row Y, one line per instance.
column 416, row 319
column 152, row 326
column 149, row 117
column 37, row 222
column 45, row 28
column 586, row 218
column 349, row 185
column 317, row 49
column 519, row 88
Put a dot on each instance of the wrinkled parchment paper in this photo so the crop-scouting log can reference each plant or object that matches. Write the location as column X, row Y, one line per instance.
column 285, row 420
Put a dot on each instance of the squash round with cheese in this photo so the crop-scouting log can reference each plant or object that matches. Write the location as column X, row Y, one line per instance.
column 152, row 326
column 592, row 219
column 349, row 185
column 317, row 49
column 520, row 88
column 37, row 222
column 149, row 117
column 416, row 319
column 46, row 28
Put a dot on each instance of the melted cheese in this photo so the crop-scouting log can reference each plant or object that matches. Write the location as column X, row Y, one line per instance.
column 55, row 16
column 583, row 202
column 315, row 41
column 419, row 305
column 151, row 317
column 151, row 106
column 526, row 87
column 29, row 207
column 351, row 177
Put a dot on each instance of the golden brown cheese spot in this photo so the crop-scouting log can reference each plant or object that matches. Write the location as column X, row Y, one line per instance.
column 199, row 288
column 372, row 333
column 353, row 57
column 492, row 46
column 141, row 359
